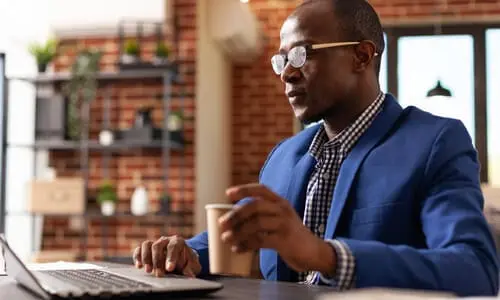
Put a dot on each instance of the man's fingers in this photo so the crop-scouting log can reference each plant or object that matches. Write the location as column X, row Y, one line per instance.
column 253, row 234
column 146, row 255
column 237, row 193
column 247, row 212
column 174, row 248
column 167, row 254
column 137, row 257
column 158, row 255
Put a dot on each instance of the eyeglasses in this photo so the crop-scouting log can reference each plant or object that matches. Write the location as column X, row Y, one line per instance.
column 297, row 56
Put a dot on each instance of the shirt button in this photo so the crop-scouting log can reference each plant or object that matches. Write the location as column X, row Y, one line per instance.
column 321, row 228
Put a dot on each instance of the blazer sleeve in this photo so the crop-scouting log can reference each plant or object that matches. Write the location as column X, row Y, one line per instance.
column 460, row 256
column 199, row 243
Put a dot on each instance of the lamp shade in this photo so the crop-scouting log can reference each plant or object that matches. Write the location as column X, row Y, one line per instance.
column 439, row 90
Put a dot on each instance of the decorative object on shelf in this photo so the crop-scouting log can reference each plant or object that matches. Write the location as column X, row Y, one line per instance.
column 107, row 198
column 143, row 117
column 175, row 121
column 143, row 129
column 161, row 54
column 106, row 137
column 56, row 196
column 165, row 200
column 132, row 52
column 50, row 117
column 82, row 86
column 139, row 202
column 43, row 53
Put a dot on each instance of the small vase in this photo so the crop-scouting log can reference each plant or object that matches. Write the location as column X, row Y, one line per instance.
column 143, row 118
column 108, row 208
column 139, row 201
column 164, row 205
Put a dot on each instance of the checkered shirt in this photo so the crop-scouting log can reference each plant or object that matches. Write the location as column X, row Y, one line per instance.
column 329, row 156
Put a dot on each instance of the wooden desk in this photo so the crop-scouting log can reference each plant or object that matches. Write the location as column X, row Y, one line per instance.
column 234, row 288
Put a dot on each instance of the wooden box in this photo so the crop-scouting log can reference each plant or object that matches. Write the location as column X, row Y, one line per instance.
column 57, row 196
column 48, row 256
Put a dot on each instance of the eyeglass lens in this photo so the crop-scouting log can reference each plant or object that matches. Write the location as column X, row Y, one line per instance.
column 296, row 56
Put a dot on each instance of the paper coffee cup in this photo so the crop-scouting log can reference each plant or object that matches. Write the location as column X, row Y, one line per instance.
column 221, row 259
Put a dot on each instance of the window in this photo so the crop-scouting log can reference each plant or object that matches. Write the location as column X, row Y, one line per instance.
column 423, row 60
column 493, row 104
column 383, row 69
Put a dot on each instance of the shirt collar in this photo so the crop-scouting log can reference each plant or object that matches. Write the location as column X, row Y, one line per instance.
column 349, row 135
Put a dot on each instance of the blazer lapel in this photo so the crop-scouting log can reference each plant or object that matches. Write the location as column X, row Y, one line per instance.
column 379, row 128
column 296, row 194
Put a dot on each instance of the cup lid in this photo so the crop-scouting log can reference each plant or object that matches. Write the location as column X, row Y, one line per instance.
column 219, row 206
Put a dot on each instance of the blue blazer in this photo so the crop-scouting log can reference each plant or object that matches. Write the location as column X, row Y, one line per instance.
column 407, row 202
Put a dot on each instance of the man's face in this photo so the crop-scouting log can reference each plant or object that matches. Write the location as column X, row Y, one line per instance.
column 326, row 79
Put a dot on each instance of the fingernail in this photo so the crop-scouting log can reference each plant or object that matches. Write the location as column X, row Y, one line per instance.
column 170, row 266
column 138, row 265
column 159, row 273
column 148, row 268
column 225, row 235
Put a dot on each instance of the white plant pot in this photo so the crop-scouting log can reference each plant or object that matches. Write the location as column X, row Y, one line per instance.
column 108, row 208
column 129, row 59
column 174, row 123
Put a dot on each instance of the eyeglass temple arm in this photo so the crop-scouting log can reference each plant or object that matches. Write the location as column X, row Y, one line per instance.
column 330, row 45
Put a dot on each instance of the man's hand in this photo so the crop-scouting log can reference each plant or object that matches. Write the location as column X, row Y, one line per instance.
column 167, row 254
column 269, row 221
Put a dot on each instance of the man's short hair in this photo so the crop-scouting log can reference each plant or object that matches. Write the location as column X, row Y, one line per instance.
column 358, row 21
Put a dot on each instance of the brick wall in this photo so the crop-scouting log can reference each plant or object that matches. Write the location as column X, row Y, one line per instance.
column 123, row 233
column 262, row 115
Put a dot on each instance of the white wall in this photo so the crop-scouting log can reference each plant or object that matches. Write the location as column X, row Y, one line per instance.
column 96, row 13
column 101, row 16
column 213, row 123
column 21, row 22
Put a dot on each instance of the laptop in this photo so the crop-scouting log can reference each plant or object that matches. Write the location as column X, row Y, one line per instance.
column 99, row 282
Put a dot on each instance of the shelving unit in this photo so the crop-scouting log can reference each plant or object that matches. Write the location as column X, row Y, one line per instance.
column 171, row 141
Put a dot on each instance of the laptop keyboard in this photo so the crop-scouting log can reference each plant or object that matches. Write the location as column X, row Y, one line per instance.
column 96, row 279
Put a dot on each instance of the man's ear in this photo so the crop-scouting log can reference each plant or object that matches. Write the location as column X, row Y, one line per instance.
column 364, row 53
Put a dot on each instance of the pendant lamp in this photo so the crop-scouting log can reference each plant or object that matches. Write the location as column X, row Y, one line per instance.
column 439, row 90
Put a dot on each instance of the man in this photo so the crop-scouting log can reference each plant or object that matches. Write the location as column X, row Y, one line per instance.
column 375, row 196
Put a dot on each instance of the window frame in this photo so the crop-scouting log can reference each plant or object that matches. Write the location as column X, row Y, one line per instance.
column 478, row 33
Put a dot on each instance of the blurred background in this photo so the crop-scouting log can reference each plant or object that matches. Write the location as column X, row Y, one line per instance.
column 121, row 119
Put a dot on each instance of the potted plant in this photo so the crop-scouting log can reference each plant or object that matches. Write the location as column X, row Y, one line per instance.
column 132, row 52
column 161, row 54
column 107, row 198
column 175, row 120
column 81, row 89
column 43, row 53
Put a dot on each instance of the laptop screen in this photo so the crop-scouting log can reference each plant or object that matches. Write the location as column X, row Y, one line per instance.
column 17, row 270
column 2, row 141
